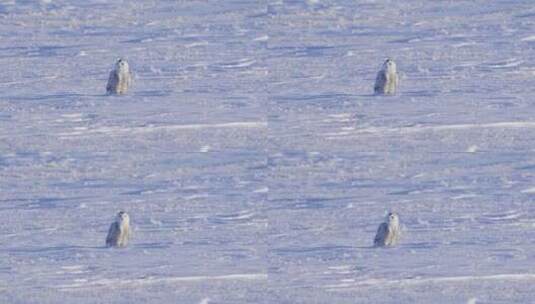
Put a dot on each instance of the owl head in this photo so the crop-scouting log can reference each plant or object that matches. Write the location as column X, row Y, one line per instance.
column 392, row 218
column 122, row 217
column 389, row 65
column 122, row 65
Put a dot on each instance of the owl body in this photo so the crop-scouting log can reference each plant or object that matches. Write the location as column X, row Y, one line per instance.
column 387, row 79
column 119, row 231
column 120, row 78
column 389, row 232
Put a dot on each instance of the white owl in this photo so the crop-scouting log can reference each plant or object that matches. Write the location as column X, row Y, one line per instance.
column 387, row 79
column 120, row 78
column 119, row 231
column 389, row 232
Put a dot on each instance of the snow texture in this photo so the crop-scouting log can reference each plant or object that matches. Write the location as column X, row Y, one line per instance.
column 253, row 158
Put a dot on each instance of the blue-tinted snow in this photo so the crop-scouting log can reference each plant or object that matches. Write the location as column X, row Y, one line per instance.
column 253, row 158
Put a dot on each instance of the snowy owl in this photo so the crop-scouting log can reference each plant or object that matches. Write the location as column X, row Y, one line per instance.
column 119, row 231
column 387, row 79
column 389, row 232
column 120, row 78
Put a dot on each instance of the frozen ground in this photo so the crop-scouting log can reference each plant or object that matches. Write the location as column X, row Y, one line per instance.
column 453, row 153
column 182, row 153
column 253, row 159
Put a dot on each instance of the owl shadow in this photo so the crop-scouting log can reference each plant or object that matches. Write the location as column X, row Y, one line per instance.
column 402, row 245
column 422, row 93
column 65, row 98
column 153, row 245
column 51, row 96
column 53, row 249
column 420, row 245
column 366, row 247
column 153, row 93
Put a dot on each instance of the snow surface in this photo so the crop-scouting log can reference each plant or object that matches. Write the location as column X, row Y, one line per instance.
column 253, row 159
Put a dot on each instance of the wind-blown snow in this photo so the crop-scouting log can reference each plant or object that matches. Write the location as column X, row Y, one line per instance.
column 255, row 161
column 452, row 152
column 181, row 152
